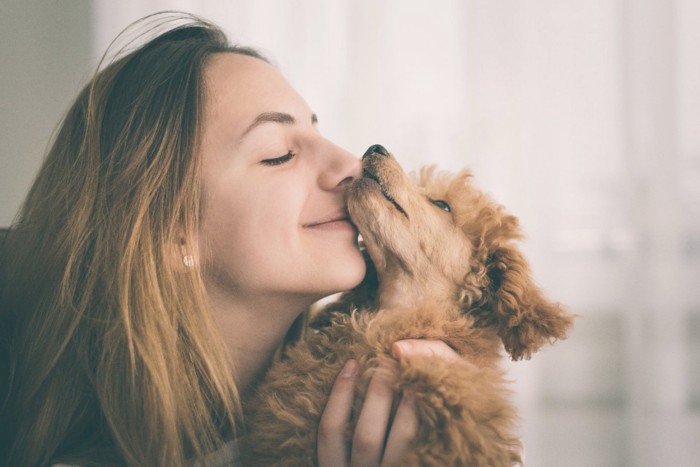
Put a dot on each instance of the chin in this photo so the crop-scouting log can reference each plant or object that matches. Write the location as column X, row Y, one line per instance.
column 346, row 273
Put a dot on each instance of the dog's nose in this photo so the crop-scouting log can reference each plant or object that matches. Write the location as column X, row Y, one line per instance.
column 376, row 148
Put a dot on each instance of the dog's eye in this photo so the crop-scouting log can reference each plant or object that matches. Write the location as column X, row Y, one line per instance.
column 441, row 204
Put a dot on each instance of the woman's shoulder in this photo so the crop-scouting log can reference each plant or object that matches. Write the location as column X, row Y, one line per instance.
column 227, row 456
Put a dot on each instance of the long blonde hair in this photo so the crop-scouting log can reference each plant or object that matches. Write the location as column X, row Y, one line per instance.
column 113, row 358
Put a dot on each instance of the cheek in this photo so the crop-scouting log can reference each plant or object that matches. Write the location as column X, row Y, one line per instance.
column 245, row 221
column 246, row 226
column 454, row 254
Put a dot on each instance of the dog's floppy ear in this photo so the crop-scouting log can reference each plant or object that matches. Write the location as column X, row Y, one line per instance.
column 525, row 319
column 511, row 301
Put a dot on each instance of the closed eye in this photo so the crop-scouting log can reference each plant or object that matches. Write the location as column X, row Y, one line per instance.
column 441, row 204
column 279, row 160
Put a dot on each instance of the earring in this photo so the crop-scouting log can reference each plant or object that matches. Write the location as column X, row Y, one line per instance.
column 188, row 260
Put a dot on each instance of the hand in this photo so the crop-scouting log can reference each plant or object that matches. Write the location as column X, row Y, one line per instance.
column 368, row 443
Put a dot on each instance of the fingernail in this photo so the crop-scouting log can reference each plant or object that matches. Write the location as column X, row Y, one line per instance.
column 349, row 369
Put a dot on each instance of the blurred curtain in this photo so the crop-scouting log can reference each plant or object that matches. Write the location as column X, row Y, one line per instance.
column 583, row 118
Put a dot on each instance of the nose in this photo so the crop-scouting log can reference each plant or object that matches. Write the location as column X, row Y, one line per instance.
column 376, row 149
column 343, row 168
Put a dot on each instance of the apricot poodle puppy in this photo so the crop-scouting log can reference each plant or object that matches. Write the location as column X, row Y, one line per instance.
column 446, row 267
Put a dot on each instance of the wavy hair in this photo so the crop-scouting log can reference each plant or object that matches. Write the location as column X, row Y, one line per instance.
column 111, row 356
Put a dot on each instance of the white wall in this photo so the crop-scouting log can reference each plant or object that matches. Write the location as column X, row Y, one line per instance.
column 45, row 51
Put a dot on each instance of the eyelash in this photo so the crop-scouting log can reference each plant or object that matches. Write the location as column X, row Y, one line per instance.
column 279, row 160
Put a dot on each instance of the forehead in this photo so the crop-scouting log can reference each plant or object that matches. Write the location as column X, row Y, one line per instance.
column 239, row 87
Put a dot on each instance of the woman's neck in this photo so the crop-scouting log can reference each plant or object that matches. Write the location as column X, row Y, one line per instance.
column 253, row 328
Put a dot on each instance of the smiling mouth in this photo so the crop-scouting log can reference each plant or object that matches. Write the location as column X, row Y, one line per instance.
column 367, row 174
column 337, row 222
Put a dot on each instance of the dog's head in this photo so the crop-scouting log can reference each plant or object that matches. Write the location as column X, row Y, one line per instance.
column 442, row 239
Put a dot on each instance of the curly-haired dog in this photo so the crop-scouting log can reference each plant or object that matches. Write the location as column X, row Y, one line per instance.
column 446, row 268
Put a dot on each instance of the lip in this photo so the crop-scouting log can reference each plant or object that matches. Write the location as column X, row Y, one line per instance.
column 337, row 220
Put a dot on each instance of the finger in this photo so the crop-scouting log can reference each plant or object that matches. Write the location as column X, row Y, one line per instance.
column 332, row 447
column 403, row 430
column 372, row 424
column 426, row 348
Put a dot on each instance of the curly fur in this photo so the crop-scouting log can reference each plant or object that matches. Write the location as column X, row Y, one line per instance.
column 455, row 276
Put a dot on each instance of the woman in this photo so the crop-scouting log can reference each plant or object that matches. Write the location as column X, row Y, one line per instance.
column 187, row 215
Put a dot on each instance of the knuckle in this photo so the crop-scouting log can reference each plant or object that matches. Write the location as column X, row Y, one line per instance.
column 330, row 426
column 408, row 426
column 405, row 431
column 381, row 393
column 341, row 390
column 363, row 444
column 382, row 381
column 340, row 387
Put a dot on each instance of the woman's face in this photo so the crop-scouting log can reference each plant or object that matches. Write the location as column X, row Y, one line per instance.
column 275, row 221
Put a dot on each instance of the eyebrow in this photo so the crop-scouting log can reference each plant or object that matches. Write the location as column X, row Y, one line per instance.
column 274, row 117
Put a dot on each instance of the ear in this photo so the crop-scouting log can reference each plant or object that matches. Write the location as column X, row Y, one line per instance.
column 525, row 320
column 181, row 256
column 511, row 302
